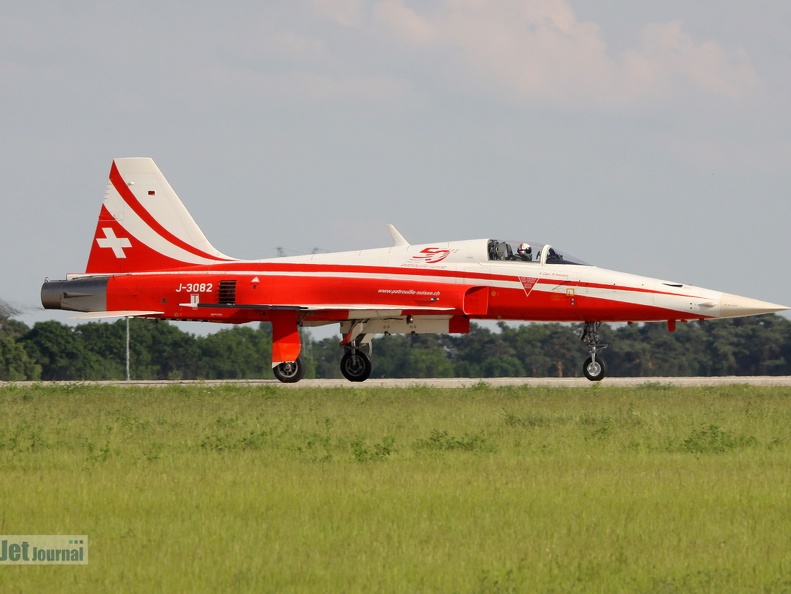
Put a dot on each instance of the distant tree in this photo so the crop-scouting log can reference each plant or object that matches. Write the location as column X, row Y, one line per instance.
column 427, row 362
column 566, row 352
column 7, row 311
column 234, row 353
column 627, row 353
column 13, row 329
column 61, row 353
column 162, row 351
column 15, row 363
column 528, row 343
column 53, row 351
column 729, row 352
column 106, row 341
column 470, row 353
column 325, row 357
column 694, row 353
column 541, row 349
column 646, row 350
column 752, row 346
column 502, row 366
column 389, row 355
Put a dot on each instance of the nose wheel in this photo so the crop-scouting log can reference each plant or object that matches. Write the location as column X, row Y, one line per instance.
column 593, row 368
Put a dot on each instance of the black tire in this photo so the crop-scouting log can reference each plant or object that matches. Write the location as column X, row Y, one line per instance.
column 356, row 367
column 290, row 373
column 595, row 372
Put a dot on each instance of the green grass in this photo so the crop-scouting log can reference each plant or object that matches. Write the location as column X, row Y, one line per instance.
column 270, row 489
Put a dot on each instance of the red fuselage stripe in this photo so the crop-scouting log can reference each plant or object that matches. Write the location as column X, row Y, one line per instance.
column 251, row 268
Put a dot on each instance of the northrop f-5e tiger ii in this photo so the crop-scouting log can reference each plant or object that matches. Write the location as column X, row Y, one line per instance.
column 149, row 259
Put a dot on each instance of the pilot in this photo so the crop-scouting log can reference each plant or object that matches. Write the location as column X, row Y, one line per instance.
column 525, row 252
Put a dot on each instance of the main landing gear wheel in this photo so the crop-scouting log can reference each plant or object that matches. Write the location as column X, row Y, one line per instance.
column 356, row 366
column 594, row 370
column 290, row 372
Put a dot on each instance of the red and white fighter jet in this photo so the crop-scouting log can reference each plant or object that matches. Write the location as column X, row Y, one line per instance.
column 149, row 259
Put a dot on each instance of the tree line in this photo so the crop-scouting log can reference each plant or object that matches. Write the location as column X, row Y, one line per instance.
column 158, row 350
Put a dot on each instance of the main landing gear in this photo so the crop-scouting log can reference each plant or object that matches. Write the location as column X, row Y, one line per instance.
column 593, row 368
column 291, row 371
column 356, row 361
column 355, row 364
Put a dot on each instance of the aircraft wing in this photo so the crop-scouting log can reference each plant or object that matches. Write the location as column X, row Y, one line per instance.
column 322, row 307
column 102, row 315
column 358, row 306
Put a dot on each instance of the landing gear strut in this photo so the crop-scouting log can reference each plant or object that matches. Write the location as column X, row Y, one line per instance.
column 356, row 361
column 593, row 368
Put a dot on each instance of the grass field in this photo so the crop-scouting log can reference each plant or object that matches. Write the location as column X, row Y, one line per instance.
column 270, row 489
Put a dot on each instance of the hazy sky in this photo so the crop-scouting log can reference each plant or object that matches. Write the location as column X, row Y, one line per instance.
column 652, row 138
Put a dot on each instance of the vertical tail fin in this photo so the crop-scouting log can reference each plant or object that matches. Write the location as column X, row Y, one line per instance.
column 144, row 226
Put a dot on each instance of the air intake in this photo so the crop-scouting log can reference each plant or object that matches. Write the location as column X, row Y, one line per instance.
column 227, row 294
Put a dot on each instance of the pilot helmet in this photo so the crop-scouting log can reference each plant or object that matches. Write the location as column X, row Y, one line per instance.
column 524, row 248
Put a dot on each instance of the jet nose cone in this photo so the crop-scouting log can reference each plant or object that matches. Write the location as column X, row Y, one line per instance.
column 733, row 306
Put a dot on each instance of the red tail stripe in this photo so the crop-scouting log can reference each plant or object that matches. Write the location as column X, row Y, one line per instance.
column 120, row 185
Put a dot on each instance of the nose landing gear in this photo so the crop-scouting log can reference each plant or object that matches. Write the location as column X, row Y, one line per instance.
column 593, row 368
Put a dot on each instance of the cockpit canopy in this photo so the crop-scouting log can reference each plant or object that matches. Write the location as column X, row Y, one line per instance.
column 536, row 252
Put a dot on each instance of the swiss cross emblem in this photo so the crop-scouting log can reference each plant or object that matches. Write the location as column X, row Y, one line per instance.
column 117, row 244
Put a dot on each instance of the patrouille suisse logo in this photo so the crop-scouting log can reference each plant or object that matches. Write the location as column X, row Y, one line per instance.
column 431, row 255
